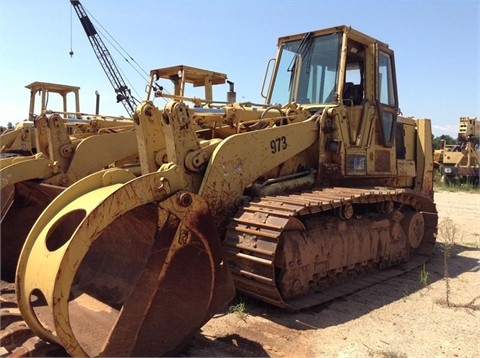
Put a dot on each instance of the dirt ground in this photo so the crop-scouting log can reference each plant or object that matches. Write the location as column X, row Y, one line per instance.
column 402, row 317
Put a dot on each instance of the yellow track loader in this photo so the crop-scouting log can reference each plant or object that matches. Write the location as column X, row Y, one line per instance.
column 313, row 195
column 48, row 152
column 21, row 139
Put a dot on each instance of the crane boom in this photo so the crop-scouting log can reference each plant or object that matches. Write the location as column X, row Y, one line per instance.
column 108, row 64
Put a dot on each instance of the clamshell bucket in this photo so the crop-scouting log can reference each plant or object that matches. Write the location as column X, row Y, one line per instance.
column 126, row 266
column 29, row 183
column 22, row 200
column 22, row 203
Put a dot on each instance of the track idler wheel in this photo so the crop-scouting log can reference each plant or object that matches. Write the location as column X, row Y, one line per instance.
column 413, row 224
column 148, row 252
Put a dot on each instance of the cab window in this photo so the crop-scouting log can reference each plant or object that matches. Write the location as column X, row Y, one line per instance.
column 387, row 97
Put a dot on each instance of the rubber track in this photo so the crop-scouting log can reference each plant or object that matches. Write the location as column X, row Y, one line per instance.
column 266, row 218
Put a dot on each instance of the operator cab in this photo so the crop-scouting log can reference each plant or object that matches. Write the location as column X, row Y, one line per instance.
column 341, row 67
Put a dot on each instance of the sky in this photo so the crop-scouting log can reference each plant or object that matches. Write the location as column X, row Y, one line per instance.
column 436, row 45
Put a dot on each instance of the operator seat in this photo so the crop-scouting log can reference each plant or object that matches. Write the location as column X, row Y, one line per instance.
column 352, row 94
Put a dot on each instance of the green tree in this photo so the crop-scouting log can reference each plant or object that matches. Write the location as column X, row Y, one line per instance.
column 448, row 140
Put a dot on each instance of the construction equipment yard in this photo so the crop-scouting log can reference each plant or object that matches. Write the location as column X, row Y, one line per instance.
column 305, row 226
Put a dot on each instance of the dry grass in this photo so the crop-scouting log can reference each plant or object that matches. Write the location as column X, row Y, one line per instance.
column 449, row 233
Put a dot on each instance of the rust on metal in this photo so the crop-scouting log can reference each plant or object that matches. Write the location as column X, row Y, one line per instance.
column 28, row 202
column 133, row 287
column 301, row 267
column 187, row 239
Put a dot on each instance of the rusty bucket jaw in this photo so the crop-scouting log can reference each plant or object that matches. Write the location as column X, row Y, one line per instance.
column 160, row 250
column 22, row 201
column 183, row 285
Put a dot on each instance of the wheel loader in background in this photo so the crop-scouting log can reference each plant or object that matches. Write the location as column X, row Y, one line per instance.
column 313, row 195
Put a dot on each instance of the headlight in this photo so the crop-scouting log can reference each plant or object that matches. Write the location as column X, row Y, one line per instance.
column 448, row 170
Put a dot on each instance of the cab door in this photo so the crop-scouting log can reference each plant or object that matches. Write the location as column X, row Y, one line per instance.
column 387, row 95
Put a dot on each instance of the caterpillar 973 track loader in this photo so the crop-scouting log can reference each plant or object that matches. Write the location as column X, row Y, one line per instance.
column 285, row 201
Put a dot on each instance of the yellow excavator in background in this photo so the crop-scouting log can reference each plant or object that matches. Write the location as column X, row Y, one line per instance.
column 441, row 150
column 461, row 164
column 308, row 197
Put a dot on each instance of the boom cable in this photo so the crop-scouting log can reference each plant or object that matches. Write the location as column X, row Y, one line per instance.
column 119, row 48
